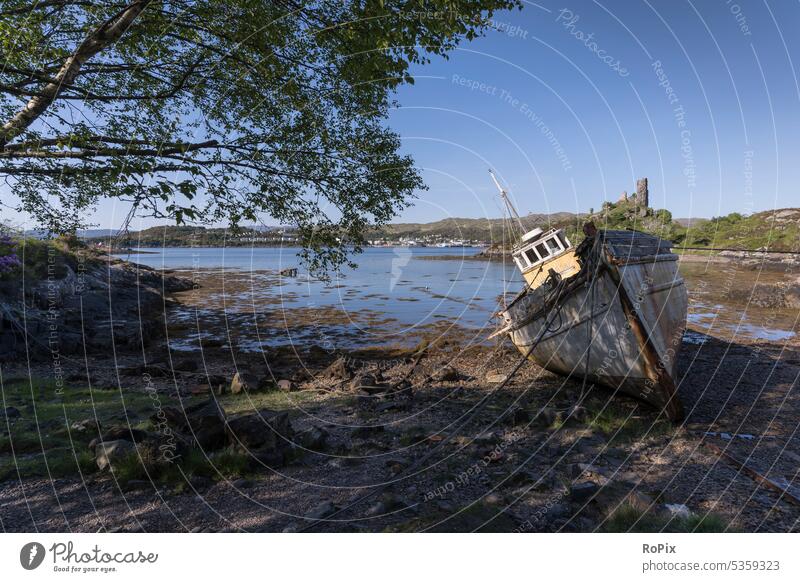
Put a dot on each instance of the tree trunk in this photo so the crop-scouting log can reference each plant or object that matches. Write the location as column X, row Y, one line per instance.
column 105, row 35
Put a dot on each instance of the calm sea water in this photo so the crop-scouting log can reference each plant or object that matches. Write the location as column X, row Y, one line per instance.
column 396, row 292
column 411, row 287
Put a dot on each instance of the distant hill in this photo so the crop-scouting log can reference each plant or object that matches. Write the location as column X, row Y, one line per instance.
column 197, row 236
column 777, row 230
column 485, row 229
column 690, row 221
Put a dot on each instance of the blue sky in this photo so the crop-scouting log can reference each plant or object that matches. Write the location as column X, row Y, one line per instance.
column 568, row 120
column 570, row 102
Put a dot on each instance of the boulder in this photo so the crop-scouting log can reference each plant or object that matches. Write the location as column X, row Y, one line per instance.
column 108, row 452
column 265, row 430
column 207, row 423
column 12, row 412
column 120, row 433
column 202, row 423
column 313, row 438
column 244, row 381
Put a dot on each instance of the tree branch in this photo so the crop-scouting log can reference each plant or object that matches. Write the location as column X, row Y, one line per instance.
column 106, row 34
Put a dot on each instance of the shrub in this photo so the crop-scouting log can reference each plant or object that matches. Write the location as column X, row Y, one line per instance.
column 9, row 261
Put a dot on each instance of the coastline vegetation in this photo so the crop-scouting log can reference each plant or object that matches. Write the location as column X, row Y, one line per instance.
column 774, row 230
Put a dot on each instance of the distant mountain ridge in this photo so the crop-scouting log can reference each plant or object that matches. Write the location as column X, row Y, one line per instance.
column 773, row 229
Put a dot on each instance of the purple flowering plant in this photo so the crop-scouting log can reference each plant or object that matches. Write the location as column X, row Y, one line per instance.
column 9, row 261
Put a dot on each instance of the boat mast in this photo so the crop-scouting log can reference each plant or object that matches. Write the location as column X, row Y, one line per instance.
column 509, row 206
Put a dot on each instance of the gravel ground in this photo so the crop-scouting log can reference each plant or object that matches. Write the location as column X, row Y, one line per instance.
column 527, row 461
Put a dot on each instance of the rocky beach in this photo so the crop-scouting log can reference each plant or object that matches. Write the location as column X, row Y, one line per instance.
column 216, row 408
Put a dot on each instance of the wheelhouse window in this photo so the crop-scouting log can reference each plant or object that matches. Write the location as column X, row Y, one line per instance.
column 539, row 251
column 542, row 250
column 554, row 245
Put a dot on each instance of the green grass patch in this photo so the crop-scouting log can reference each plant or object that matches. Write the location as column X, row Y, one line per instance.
column 43, row 439
column 219, row 465
column 273, row 400
column 630, row 519
column 58, row 462
column 625, row 423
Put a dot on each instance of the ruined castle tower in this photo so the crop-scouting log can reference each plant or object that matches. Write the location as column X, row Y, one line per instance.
column 642, row 195
column 623, row 197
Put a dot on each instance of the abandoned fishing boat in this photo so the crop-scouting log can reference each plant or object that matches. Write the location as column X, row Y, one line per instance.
column 611, row 310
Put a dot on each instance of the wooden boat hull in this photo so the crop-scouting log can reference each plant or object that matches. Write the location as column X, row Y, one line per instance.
column 623, row 332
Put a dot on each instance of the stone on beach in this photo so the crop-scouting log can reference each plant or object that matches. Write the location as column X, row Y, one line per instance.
column 244, row 381
column 106, row 453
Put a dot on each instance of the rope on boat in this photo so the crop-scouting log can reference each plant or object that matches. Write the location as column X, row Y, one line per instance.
column 478, row 408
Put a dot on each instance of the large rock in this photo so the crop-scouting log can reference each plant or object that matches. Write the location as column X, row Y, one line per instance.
column 245, row 381
column 120, row 433
column 109, row 452
column 12, row 412
column 583, row 492
column 188, row 365
column 202, row 423
column 206, row 423
column 264, row 430
column 313, row 438
column 100, row 302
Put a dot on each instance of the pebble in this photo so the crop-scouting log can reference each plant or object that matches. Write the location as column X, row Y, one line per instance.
column 494, row 498
column 495, row 377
